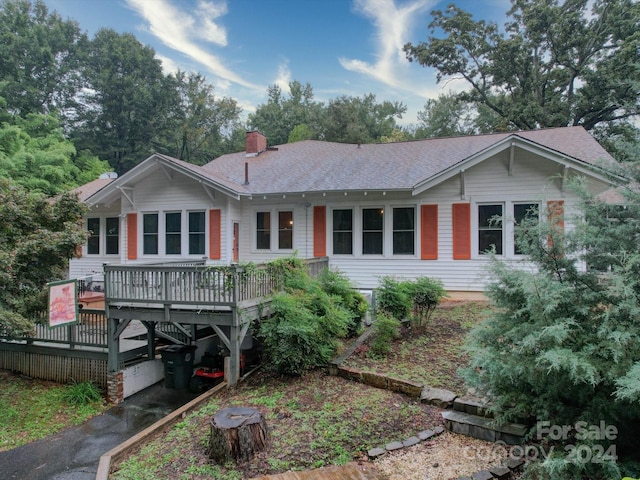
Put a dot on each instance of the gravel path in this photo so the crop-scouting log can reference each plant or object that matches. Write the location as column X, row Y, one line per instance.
column 447, row 457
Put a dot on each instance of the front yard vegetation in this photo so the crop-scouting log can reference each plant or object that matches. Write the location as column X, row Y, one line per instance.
column 35, row 409
column 561, row 345
column 308, row 318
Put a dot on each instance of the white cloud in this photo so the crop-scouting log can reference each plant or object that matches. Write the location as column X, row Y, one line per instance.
column 168, row 65
column 393, row 24
column 179, row 30
column 284, row 77
column 209, row 30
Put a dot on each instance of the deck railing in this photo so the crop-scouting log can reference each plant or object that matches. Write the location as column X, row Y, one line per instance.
column 90, row 331
column 167, row 283
column 199, row 285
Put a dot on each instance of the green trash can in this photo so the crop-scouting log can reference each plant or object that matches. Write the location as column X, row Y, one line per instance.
column 178, row 365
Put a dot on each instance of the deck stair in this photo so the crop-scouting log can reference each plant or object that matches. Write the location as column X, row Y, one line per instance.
column 470, row 417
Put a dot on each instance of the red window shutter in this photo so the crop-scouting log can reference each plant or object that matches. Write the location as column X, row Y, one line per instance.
column 429, row 232
column 555, row 212
column 132, row 236
column 319, row 231
column 461, row 231
column 555, row 215
column 215, row 234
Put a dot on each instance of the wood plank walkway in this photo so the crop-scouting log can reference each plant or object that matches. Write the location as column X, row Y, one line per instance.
column 351, row 471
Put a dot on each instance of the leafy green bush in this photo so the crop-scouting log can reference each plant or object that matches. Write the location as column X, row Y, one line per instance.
column 393, row 298
column 82, row 393
column 385, row 329
column 401, row 298
column 425, row 293
column 301, row 334
column 336, row 284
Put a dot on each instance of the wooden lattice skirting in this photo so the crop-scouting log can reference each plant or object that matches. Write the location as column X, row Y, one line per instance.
column 57, row 368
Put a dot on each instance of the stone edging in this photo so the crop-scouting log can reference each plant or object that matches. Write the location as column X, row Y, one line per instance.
column 500, row 472
column 409, row 442
column 124, row 448
column 434, row 396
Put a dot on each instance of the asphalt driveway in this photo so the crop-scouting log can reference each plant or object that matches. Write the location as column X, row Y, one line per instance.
column 74, row 453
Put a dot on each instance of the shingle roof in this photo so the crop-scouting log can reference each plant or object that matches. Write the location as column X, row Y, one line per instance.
column 316, row 166
column 88, row 189
column 214, row 176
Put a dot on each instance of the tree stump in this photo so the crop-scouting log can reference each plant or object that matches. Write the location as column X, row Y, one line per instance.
column 237, row 433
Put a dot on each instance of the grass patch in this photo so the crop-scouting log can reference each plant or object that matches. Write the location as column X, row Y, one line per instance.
column 431, row 354
column 317, row 420
column 33, row 409
column 313, row 420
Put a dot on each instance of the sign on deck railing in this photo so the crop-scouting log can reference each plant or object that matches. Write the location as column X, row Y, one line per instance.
column 63, row 303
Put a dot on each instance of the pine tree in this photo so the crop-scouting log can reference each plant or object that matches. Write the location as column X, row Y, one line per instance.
column 562, row 342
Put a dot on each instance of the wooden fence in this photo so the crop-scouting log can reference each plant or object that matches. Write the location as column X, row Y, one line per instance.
column 61, row 367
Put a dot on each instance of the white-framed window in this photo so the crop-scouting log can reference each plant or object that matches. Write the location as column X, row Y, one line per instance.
column 263, row 230
column 285, row 230
column 170, row 232
column 197, row 233
column 404, row 230
column 523, row 211
column 173, row 233
column 342, row 231
column 150, row 232
column 490, row 228
column 372, row 231
column 496, row 225
column 93, row 242
column 280, row 222
column 104, row 236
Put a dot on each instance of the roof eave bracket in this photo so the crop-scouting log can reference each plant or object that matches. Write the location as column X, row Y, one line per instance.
column 167, row 172
column 511, row 158
column 127, row 192
column 208, row 192
column 565, row 179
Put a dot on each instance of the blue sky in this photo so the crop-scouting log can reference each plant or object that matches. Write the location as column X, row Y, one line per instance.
column 340, row 47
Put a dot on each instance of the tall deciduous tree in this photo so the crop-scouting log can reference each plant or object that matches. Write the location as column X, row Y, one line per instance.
column 283, row 113
column 451, row 115
column 37, row 237
column 557, row 63
column 35, row 154
column 127, row 103
column 200, row 125
column 40, row 58
column 360, row 119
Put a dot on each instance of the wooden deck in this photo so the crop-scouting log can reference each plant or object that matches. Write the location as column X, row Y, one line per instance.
column 190, row 294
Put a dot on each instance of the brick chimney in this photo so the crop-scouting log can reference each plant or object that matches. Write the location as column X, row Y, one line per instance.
column 256, row 143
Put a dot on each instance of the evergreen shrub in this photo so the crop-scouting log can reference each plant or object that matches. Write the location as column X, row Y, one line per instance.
column 335, row 283
column 393, row 297
column 561, row 344
column 386, row 330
